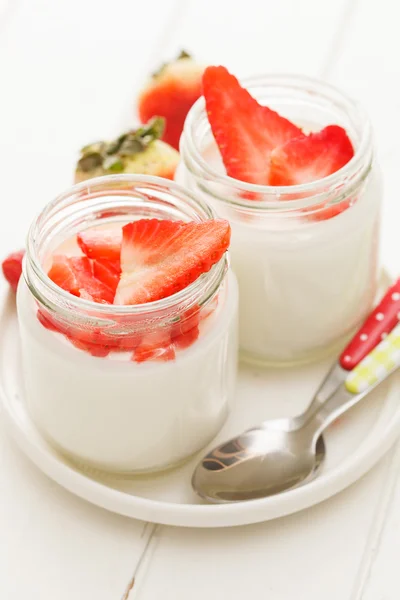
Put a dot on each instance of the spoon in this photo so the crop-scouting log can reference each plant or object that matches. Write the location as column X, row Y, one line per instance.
column 375, row 328
column 282, row 454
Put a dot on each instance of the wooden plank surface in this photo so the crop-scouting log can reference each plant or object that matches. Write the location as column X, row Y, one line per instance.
column 256, row 37
column 300, row 556
column 366, row 66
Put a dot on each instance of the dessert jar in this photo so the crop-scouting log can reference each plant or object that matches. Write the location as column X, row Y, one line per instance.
column 101, row 408
column 305, row 256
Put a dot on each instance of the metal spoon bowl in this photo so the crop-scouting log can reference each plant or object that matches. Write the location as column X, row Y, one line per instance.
column 258, row 463
column 282, row 454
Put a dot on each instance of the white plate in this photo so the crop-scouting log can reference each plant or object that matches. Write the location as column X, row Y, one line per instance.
column 354, row 444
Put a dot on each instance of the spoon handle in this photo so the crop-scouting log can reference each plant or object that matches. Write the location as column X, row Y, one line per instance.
column 377, row 365
column 377, row 325
column 371, row 371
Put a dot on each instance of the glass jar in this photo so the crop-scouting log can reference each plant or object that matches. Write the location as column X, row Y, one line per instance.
column 306, row 256
column 86, row 391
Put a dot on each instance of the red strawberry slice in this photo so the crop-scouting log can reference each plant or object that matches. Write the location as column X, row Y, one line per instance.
column 310, row 158
column 186, row 331
column 67, row 273
column 160, row 353
column 97, row 343
column 160, row 258
column 94, row 342
column 107, row 271
column 155, row 346
column 96, row 291
column 188, row 321
column 74, row 274
column 245, row 131
column 208, row 310
column 319, row 213
column 94, row 349
column 100, row 244
column 170, row 93
column 184, row 340
column 85, row 295
column 45, row 319
column 128, row 342
column 12, row 268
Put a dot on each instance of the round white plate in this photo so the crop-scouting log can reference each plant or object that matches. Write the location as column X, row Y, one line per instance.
column 354, row 444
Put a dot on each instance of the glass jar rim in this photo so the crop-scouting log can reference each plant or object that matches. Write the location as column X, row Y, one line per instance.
column 307, row 191
column 210, row 280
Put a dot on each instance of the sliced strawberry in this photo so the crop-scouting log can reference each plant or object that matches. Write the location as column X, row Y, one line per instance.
column 94, row 349
column 143, row 353
column 319, row 213
column 186, row 331
column 45, row 319
column 310, row 158
column 245, row 131
column 188, row 321
column 170, row 93
column 128, row 342
column 85, row 295
column 155, row 346
column 208, row 310
column 75, row 274
column 68, row 273
column 95, row 342
column 12, row 268
column 184, row 340
column 100, row 244
column 107, row 271
column 96, row 291
column 160, row 258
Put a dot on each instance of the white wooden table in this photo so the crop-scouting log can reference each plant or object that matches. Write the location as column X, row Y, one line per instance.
column 69, row 70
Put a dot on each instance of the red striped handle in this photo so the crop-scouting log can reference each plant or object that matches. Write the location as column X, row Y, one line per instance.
column 379, row 323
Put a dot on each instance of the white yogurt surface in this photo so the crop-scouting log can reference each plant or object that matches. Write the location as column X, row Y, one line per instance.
column 302, row 292
column 305, row 285
column 126, row 416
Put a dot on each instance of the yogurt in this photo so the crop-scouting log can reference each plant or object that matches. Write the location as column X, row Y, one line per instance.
column 115, row 414
column 302, row 290
column 306, row 277
column 112, row 413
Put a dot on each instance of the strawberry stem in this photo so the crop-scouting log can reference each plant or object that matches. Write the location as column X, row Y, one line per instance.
column 110, row 155
column 184, row 54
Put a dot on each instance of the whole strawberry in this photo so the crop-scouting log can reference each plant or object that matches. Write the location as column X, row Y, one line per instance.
column 170, row 93
column 12, row 268
column 138, row 151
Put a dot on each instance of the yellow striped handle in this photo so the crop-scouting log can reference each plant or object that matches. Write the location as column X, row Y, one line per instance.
column 377, row 365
